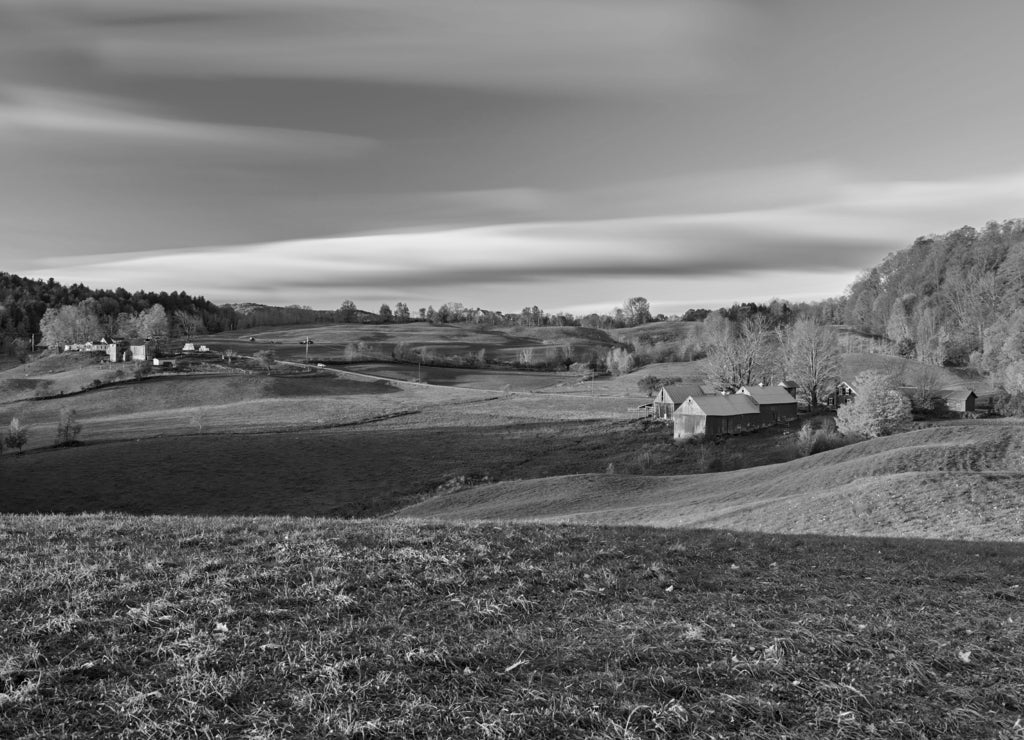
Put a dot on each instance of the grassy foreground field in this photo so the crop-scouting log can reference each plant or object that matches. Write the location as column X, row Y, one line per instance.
column 241, row 627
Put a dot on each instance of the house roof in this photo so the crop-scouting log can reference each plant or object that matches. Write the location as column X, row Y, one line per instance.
column 767, row 394
column 680, row 392
column 732, row 405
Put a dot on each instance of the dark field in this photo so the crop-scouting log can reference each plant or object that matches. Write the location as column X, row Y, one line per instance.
column 346, row 472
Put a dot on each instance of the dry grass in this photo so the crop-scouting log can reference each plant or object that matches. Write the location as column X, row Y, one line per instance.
column 183, row 627
column 962, row 480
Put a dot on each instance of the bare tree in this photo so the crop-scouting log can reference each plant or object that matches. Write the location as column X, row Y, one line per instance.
column 811, row 358
column 266, row 359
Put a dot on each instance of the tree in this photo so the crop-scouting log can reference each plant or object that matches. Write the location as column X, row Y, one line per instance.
column 737, row 355
column 347, row 313
column 637, row 311
column 68, row 428
column 188, row 323
column 70, row 325
column 619, row 361
column 17, row 435
column 385, row 313
column 878, row 408
column 401, row 312
column 266, row 359
column 811, row 358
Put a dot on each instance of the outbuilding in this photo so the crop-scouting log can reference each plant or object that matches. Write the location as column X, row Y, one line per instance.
column 958, row 399
column 774, row 404
column 671, row 397
column 715, row 415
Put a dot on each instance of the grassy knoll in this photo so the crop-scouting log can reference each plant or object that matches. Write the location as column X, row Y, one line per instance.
column 186, row 627
column 963, row 480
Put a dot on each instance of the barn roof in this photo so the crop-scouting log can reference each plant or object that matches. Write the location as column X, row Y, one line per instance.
column 788, row 384
column 681, row 391
column 732, row 405
column 955, row 394
column 767, row 395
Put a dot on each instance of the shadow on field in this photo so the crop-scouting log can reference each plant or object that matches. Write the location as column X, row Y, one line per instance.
column 356, row 472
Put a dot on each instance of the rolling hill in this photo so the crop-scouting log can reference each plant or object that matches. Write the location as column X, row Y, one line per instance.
column 963, row 481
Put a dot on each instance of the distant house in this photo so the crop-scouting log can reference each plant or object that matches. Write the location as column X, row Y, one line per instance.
column 671, row 397
column 843, row 393
column 189, row 347
column 774, row 403
column 715, row 415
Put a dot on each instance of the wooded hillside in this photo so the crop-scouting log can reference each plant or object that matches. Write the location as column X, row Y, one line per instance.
column 954, row 299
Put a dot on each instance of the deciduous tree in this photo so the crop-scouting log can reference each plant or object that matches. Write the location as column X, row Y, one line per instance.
column 17, row 435
column 811, row 358
column 878, row 408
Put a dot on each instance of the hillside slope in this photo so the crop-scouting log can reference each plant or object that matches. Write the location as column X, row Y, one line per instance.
column 963, row 481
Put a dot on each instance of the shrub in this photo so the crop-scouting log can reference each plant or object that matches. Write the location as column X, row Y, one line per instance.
column 810, row 441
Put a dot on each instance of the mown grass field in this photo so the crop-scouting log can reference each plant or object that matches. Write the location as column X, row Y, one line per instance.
column 256, row 627
column 962, row 480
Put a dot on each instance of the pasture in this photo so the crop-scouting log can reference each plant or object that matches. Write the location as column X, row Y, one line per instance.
column 962, row 480
column 283, row 627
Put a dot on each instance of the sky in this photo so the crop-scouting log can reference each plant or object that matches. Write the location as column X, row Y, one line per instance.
column 567, row 154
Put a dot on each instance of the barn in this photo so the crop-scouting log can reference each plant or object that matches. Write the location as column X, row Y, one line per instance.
column 671, row 397
column 958, row 399
column 773, row 403
column 790, row 386
column 715, row 415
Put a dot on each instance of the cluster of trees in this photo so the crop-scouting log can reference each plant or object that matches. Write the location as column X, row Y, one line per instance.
column 85, row 322
column 24, row 302
column 751, row 351
column 952, row 299
column 68, row 429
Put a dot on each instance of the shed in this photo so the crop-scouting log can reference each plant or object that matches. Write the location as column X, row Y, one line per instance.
column 789, row 386
column 773, row 403
column 670, row 397
column 715, row 415
column 958, row 399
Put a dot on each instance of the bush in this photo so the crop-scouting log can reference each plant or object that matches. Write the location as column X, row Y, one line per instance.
column 810, row 441
column 1008, row 404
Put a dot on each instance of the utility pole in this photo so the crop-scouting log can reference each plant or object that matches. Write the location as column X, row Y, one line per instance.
column 307, row 349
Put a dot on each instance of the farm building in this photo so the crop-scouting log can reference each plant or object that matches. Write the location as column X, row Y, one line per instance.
column 773, row 403
column 843, row 393
column 958, row 399
column 789, row 386
column 671, row 397
column 715, row 415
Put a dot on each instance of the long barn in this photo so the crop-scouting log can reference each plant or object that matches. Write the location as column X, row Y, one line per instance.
column 715, row 415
